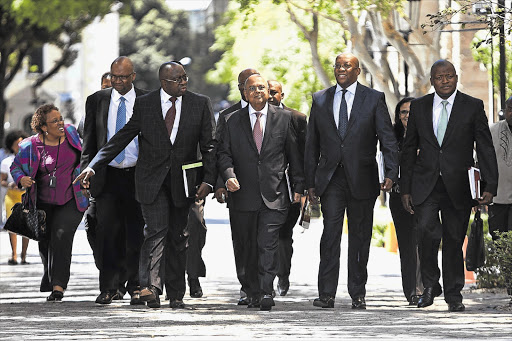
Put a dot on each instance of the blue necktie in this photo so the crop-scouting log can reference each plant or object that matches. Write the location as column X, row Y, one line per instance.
column 443, row 122
column 120, row 122
column 343, row 120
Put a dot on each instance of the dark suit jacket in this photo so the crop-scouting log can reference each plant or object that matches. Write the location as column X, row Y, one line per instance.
column 300, row 123
column 157, row 156
column 423, row 159
column 261, row 176
column 95, row 131
column 369, row 121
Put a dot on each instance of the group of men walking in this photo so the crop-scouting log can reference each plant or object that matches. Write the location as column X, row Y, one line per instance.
column 260, row 157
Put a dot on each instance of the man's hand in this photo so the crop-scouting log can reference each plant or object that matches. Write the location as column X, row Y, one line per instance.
column 26, row 182
column 407, row 203
column 221, row 194
column 313, row 199
column 386, row 186
column 86, row 193
column 202, row 192
column 296, row 198
column 232, row 185
column 485, row 199
column 84, row 177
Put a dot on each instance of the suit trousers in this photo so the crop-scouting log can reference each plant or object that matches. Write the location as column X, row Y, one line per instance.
column 119, row 231
column 451, row 229
column 62, row 222
column 334, row 201
column 407, row 244
column 163, row 253
column 500, row 219
column 257, row 233
column 196, row 230
column 286, row 241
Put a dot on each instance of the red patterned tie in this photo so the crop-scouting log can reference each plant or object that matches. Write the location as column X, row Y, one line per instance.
column 171, row 115
column 257, row 132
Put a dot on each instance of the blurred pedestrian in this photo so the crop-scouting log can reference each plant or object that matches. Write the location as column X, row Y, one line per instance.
column 14, row 193
column 46, row 165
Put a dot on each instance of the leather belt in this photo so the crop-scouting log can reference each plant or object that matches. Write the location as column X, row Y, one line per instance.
column 127, row 169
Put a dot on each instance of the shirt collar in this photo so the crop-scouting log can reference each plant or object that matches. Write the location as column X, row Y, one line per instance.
column 164, row 96
column 351, row 88
column 262, row 111
column 243, row 103
column 438, row 100
column 129, row 96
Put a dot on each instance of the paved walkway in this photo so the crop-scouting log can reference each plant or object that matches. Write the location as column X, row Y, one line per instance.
column 24, row 314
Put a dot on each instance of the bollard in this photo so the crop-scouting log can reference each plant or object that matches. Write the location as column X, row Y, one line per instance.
column 391, row 241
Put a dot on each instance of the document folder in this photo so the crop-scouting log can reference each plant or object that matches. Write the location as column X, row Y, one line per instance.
column 192, row 177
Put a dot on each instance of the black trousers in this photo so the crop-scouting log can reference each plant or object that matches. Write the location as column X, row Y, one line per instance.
column 451, row 230
column 286, row 241
column 163, row 254
column 196, row 229
column 256, row 233
column 335, row 200
column 119, row 231
column 408, row 246
column 500, row 218
column 62, row 222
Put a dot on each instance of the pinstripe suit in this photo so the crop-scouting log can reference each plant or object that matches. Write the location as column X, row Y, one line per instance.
column 159, row 182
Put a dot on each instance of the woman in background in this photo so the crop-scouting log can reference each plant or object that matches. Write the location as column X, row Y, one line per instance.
column 14, row 193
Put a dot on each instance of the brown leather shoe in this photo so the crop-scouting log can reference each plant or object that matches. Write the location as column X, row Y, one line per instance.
column 148, row 293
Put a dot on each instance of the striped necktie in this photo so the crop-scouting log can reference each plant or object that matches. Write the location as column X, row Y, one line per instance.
column 257, row 132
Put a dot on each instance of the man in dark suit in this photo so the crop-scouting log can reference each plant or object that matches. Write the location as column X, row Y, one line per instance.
column 119, row 222
column 438, row 150
column 345, row 123
column 258, row 144
column 299, row 122
column 221, row 193
column 170, row 123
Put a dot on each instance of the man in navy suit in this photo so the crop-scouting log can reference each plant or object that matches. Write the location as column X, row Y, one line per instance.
column 442, row 130
column 170, row 122
column 345, row 123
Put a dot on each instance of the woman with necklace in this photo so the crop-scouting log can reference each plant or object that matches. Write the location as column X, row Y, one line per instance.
column 46, row 165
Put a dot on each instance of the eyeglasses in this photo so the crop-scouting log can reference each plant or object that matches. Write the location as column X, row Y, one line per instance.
column 183, row 78
column 55, row 121
column 253, row 88
column 120, row 77
column 345, row 67
column 404, row 112
column 442, row 77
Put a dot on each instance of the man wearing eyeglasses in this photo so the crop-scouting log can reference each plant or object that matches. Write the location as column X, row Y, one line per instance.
column 442, row 130
column 258, row 144
column 170, row 122
column 119, row 229
column 345, row 124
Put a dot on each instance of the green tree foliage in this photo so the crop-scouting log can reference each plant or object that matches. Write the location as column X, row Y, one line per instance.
column 29, row 24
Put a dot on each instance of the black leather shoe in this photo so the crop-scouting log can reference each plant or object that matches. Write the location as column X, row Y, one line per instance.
column 358, row 303
column 324, row 301
column 135, row 300
column 282, row 286
column 414, row 300
column 195, row 288
column 243, row 301
column 177, row 304
column 149, row 294
column 427, row 299
column 456, row 307
column 118, row 295
column 266, row 303
column 55, row 296
column 154, row 303
column 105, row 297
column 253, row 302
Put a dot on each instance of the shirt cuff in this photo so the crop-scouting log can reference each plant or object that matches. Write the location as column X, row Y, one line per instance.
column 211, row 187
column 90, row 169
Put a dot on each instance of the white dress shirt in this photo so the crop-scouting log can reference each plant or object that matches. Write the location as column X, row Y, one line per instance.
column 349, row 98
column 243, row 103
column 263, row 118
column 437, row 107
column 166, row 105
column 132, row 149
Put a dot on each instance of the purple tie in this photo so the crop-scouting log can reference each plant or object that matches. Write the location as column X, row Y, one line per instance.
column 171, row 115
column 257, row 133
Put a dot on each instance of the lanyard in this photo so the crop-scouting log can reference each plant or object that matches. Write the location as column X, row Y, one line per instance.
column 46, row 155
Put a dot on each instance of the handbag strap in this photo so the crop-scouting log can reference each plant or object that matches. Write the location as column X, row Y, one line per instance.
column 26, row 202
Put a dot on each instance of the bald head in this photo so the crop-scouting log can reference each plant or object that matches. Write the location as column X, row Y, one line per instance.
column 173, row 78
column 242, row 77
column 275, row 91
column 256, row 91
column 443, row 78
column 346, row 69
column 122, row 74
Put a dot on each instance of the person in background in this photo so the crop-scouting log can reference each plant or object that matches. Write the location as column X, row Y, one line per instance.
column 14, row 193
column 404, row 222
column 299, row 123
column 106, row 80
column 4, row 152
column 46, row 165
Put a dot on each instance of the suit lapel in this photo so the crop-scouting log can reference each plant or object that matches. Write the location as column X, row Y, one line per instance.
column 185, row 112
column 454, row 116
column 356, row 106
column 246, row 127
column 328, row 103
column 429, row 118
column 103, row 119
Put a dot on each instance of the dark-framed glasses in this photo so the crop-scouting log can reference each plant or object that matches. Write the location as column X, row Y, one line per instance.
column 253, row 88
column 180, row 79
column 55, row 121
column 120, row 77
